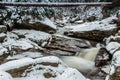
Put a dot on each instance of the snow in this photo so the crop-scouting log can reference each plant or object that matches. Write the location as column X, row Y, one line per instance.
column 96, row 25
column 5, row 76
column 2, row 26
column 12, row 36
column 3, row 50
column 111, row 38
column 2, row 34
column 23, row 44
column 116, row 59
column 33, row 35
column 16, row 64
column 62, row 71
column 49, row 23
column 25, row 54
column 71, row 74
column 112, row 47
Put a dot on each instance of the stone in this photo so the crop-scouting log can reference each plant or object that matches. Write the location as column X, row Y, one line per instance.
column 103, row 58
column 96, row 30
column 92, row 35
column 49, row 67
column 2, row 37
column 4, row 53
column 3, row 29
column 67, row 45
column 40, row 25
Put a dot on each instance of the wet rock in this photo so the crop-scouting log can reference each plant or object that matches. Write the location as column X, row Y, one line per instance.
column 66, row 45
column 3, row 29
column 118, row 16
column 92, row 18
column 103, row 58
column 2, row 37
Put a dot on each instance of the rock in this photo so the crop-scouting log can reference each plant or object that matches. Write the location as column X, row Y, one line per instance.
column 3, row 54
column 96, row 30
column 47, row 67
column 113, row 39
column 118, row 16
column 38, row 37
column 112, row 47
column 115, row 67
column 3, row 29
column 103, row 58
column 67, row 45
column 2, row 37
column 5, row 76
column 91, row 18
column 33, row 55
column 21, row 45
column 70, row 71
column 42, row 25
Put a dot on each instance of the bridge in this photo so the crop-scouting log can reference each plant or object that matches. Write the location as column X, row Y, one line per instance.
column 26, row 4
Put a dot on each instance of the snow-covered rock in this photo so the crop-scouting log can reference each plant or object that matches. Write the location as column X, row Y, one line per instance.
column 47, row 67
column 115, row 67
column 28, row 22
column 71, row 74
column 112, row 38
column 37, row 36
column 5, row 76
column 68, row 74
column 24, row 55
column 112, row 47
column 3, row 53
column 96, row 30
column 17, row 46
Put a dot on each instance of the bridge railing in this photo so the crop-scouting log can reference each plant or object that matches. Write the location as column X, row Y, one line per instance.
column 55, row 4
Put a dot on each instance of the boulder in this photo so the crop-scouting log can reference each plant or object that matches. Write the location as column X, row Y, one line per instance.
column 62, row 45
column 45, row 25
column 103, row 58
column 39, row 37
column 112, row 39
column 47, row 67
column 115, row 67
column 4, row 53
column 5, row 76
column 21, row 45
column 96, row 30
column 112, row 47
